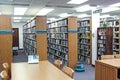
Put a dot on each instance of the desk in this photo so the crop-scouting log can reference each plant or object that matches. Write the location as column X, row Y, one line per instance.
column 44, row 70
column 107, row 69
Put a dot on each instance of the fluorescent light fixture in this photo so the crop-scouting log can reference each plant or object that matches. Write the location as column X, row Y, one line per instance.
column 109, row 9
column 76, row 1
column 83, row 15
column 20, row 10
column 17, row 17
column 115, row 5
column 104, row 16
column 16, row 20
column 83, row 8
column 32, row 18
column 44, row 11
column 64, row 15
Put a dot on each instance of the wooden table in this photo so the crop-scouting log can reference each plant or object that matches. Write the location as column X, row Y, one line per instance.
column 107, row 69
column 44, row 70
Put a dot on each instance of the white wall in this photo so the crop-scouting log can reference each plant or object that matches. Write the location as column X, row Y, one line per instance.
column 20, row 26
column 95, row 25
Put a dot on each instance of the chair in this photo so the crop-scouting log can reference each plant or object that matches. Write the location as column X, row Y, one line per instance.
column 4, row 75
column 103, row 57
column 117, row 56
column 58, row 63
column 7, row 68
column 69, row 71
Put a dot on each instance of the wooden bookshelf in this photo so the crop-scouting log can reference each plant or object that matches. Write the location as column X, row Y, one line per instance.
column 116, row 32
column 35, row 37
column 116, row 40
column 5, row 40
column 85, row 41
column 104, row 41
column 62, row 41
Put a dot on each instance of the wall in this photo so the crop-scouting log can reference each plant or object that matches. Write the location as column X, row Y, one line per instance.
column 19, row 25
column 95, row 25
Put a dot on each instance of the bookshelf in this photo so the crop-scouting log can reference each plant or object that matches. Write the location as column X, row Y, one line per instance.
column 104, row 41
column 62, row 41
column 108, row 23
column 116, row 41
column 5, row 40
column 85, row 41
column 35, row 37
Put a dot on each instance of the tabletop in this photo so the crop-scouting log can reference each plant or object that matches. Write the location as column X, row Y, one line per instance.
column 111, row 62
column 44, row 70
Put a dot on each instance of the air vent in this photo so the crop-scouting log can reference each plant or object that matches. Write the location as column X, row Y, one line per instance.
column 59, row 6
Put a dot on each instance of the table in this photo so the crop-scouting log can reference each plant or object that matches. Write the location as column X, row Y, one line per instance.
column 107, row 69
column 44, row 70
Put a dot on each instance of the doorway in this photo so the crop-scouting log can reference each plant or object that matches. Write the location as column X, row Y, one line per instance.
column 15, row 37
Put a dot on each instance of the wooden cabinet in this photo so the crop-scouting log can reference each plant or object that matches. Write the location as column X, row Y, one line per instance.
column 5, row 40
column 35, row 37
column 62, row 41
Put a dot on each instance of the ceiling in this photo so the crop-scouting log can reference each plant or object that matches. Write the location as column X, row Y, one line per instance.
column 60, row 6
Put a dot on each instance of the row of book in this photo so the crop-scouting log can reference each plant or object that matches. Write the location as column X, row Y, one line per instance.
column 101, row 45
column 84, row 58
column 29, row 30
column 29, row 36
column 84, row 30
column 111, row 23
column 84, row 41
column 84, row 47
column 116, row 47
column 30, row 42
column 57, row 30
column 84, row 23
column 84, row 53
column 101, row 41
column 58, row 42
column 102, row 31
column 53, row 57
column 84, row 35
column 29, row 25
column 58, row 48
column 59, row 54
column 101, row 37
column 29, row 49
column 58, row 23
column 58, row 36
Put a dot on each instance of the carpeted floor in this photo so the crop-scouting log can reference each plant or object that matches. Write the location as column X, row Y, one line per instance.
column 87, row 75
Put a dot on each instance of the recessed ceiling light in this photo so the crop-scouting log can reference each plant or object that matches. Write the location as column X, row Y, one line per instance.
column 64, row 15
column 44, row 11
column 20, row 10
column 115, row 5
column 76, row 1
column 83, row 8
column 104, row 16
column 17, row 17
column 109, row 9
column 83, row 15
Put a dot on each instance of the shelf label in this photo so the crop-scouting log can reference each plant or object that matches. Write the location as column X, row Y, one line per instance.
column 41, row 31
column 72, row 31
column 5, row 31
